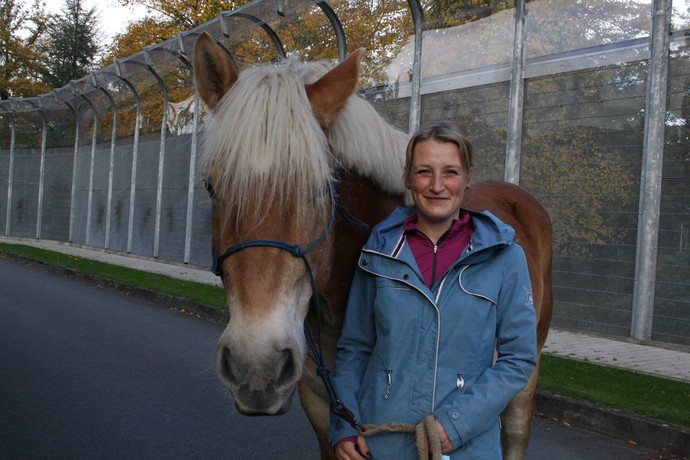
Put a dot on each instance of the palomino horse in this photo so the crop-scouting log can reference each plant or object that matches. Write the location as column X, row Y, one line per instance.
column 289, row 149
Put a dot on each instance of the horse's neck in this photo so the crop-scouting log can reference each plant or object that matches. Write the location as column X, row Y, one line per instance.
column 367, row 203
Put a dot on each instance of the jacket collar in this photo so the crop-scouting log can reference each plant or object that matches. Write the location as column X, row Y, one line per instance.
column 489, row 231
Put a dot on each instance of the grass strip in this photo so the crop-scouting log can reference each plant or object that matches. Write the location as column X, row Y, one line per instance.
column 632, row 392
column 199, row 292
column 646, row 395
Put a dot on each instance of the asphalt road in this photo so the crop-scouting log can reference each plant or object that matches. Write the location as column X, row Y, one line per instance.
column 87, row 373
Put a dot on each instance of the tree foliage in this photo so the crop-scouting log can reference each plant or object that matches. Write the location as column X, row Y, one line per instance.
column 167, row 18
column 20, row 29
column 70, row 47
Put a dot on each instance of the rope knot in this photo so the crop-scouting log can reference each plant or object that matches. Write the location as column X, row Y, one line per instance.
column 322, row 371
column 297, row 251
column 425, row 433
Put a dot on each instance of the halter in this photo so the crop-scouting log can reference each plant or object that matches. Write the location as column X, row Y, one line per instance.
column 322, row 370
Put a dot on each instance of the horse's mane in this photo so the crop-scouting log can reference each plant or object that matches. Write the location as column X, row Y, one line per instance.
column 264, row 143
column 364, row 142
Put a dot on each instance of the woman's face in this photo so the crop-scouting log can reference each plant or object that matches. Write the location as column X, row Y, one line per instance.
column 437, row 182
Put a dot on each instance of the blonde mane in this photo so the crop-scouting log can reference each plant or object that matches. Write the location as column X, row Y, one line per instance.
column 363, row 142
column 263, row 142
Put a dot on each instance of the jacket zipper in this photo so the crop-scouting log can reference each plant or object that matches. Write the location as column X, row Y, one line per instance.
column 460, row 382
column 436, row 245
column 438, row 341
column 389, row 386
column 433, row 266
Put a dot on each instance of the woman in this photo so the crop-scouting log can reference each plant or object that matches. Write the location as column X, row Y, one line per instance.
column 437, row 289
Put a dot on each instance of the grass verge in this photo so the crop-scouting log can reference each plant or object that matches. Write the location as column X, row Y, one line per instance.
column 632, row 392
column 649, row 396
column 198, row 292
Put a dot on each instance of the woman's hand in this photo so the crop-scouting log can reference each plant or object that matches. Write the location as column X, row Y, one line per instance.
column 446, row 445
column 348, row 450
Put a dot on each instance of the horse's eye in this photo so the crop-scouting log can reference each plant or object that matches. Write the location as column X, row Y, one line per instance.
column 209, row 189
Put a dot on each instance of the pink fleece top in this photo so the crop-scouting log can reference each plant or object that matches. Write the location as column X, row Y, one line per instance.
column 434, row 259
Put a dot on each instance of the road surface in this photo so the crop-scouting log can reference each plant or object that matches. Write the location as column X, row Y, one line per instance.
column 86, row 372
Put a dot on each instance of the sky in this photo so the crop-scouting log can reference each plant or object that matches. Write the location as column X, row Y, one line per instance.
column 112, row 18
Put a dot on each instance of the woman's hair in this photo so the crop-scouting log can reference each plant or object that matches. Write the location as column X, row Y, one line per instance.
column 442, row 131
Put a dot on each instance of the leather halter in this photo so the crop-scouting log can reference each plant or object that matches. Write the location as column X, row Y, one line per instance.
column 322, row 370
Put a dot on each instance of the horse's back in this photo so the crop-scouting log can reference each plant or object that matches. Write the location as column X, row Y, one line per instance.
column 521, row 210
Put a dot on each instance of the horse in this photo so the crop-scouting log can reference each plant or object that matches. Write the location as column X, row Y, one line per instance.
column 295, row 162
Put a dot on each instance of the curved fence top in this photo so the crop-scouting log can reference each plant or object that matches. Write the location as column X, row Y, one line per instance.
column 263, row 23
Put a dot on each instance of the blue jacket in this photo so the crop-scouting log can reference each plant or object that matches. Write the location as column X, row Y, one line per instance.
column 405, row 348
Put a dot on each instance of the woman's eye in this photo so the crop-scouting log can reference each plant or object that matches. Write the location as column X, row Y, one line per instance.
column 423, row 172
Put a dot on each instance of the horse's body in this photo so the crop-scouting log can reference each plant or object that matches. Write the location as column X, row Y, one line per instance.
column 275, row 138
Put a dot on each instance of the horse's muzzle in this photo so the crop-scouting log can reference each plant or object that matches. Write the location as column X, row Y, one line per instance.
column 261, row 387
column 250, row 404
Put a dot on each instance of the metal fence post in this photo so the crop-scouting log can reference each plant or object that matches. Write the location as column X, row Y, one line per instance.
column 111, row 164
column 135, row 155
column 10, row 172
column 41, row 171
column 517, row 97
column 161, row 154
column 92, row 160
column 73, row 194
column 650, row 182
column 416, row 95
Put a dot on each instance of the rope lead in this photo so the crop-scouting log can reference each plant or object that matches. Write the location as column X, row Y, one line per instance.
column 425, row 433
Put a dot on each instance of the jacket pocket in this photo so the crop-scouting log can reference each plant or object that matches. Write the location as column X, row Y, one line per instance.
column 377, row 386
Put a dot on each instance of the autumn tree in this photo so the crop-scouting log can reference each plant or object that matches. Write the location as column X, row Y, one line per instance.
column 167, row 18
column 20, row 28
column 70, row 45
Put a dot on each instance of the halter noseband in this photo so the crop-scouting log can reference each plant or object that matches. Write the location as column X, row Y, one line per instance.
column 296, row 250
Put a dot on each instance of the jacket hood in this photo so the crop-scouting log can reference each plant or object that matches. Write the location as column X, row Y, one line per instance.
column 489, row 231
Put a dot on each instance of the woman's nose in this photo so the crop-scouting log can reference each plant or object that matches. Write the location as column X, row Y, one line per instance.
column 437, row 183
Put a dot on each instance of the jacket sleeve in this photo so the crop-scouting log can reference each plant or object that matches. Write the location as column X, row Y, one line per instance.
column 467, row 414
column 353, row 350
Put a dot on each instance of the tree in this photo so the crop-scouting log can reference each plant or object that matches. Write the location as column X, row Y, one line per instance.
column 168, row 18
column 20, row 29
column 136, row 37
column 184, row 14
column 70, row 47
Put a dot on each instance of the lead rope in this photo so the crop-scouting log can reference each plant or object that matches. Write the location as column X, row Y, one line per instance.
column 425, row 433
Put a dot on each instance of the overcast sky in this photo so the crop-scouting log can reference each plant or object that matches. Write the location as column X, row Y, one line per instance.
column 112, row 18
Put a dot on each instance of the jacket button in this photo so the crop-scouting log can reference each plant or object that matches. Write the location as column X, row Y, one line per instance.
column 454, row 415
column 365, row 262
column 406, row 276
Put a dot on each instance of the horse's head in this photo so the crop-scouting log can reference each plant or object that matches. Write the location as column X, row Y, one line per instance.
column 270, row 174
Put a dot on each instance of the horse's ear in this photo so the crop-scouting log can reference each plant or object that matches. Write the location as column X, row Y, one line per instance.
column 214, row 71
column 330, row 93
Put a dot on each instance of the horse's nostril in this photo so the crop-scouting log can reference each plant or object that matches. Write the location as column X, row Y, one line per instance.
column 224, row 366
column 287, row 367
